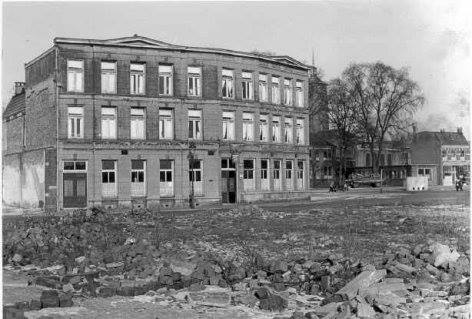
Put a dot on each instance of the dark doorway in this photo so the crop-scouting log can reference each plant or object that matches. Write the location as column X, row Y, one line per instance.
column 74, row 190
column 228, row 181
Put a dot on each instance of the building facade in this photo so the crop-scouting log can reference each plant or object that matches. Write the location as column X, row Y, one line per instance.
column 441, row 156
column 135, row 121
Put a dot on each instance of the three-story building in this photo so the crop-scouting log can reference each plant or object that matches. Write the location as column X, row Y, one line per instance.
column 135, row 121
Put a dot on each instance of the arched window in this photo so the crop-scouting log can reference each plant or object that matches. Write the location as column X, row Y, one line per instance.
column 367, row 160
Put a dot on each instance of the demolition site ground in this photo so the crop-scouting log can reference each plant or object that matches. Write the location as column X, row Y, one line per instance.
column 239, row 251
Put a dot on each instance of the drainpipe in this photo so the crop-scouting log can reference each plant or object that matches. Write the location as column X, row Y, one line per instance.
column 56, row 87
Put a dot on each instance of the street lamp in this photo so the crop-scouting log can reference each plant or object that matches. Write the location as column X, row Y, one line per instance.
column 191, row 158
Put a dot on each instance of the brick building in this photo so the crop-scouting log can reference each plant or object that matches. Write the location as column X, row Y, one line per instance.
column 135, row 121
column 441, row 156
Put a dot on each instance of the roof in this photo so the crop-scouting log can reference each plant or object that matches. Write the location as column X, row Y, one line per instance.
column 445, row 138
column 15, row 106
column 137, row 41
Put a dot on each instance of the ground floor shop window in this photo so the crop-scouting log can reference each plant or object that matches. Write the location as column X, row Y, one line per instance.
column 109, row 186
column 276, row 175
column 195, row 176
column 300, row 183
column 248, row 175
column 425, row 172
column 138, row 178
column 289, row 175
column 265, row 174
column 166, row 178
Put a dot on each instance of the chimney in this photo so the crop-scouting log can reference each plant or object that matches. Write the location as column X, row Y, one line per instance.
column 19, row 87
column 459, row 130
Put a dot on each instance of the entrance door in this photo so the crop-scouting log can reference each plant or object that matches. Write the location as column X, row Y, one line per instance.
column 228, row 181
column 75, row 190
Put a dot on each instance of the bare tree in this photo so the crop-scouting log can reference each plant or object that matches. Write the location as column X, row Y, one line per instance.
column 343, row 118
column 385, row 99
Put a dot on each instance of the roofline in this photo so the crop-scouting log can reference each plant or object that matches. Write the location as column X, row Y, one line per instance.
column 27, row 64
column 172, row 47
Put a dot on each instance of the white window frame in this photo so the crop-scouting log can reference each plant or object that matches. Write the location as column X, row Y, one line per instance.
column 288, row 92
column 289, row 175
column 299, row 94
column 166, row 180
column 109, row 189
column 137, row 79
column 195, row 124
column 264, row 128
column 249, row 183
column 264, row 175
column 166, row 80
column 109, row 121
column 247, row 86
column 248, row 126
column 138, row 123
column 197, row 174
column 228, row 126
column 227, row 84
column 276, row 172
column 75, row 122
column 263, row 88
column 300, row 131
column 75, row 76
column 194, row 83
column 276, row 129
column 275, row 88
column 138, row 188
column 166, row 124
column 288, row 130
column 300, row 175
column 108, row 77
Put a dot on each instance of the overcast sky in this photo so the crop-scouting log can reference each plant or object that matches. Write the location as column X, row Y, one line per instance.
column 432, row 38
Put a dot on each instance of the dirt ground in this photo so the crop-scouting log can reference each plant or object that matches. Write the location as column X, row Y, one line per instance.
column 361, row 226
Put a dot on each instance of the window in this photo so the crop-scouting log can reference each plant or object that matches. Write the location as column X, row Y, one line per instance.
column 165, row 80
column 263, row 91
column 166, row 126
column 195, row 176
column 248, row 175
column 420, row 171
column 367, row 160
column 288, row 130
column 76, row 122
column 288, row 92
column 247, row 86
column 228, row 126
column 389, row 159
column 275, row 91
column 138, row 178
column 300, row 183
column 137, row 78
column 248, row 127
column 195, row 124
column 75, row 166
column 276, row 129
column 227, row 85
column 288, row 174
column 75, row 76
column 138, row 123
column 265, row 174
column 299, row 93
column 108, row 122
column 108, row 77
column 263, row 128
column 166, row 180
column 194, row 81
column 109, row 178
column 300, row 132
column 276, row 175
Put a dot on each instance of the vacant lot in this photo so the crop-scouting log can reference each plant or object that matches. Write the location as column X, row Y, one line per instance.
column 358, row 225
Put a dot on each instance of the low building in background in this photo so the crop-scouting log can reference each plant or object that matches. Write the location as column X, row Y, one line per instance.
column 136, row 121
column 442, row 156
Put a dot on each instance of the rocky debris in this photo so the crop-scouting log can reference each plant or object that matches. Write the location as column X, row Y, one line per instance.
column 269, row 300
column 442, row 254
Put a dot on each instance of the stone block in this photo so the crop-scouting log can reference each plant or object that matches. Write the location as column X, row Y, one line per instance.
column 49, row 298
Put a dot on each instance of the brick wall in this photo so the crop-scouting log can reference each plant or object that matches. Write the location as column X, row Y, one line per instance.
column 13, row 135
